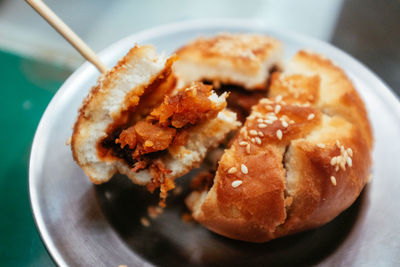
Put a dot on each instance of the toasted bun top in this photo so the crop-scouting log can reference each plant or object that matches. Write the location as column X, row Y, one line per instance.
column 299, row 160
column 337, row 95
column 241, row 59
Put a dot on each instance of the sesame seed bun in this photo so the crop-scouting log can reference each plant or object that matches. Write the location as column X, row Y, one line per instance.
column 128, row 92
column 302, row 157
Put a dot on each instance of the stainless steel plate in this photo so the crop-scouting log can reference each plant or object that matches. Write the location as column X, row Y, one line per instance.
column 86, row 225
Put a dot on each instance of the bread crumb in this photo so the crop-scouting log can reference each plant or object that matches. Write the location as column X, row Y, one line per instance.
column 288, row 201
column 68, row 141
column 145, row 222
column 154, row 211
column 177, row 191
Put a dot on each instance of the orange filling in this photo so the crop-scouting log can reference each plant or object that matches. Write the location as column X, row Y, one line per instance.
column 142, row 145
column 240, row 100
column 169, row 121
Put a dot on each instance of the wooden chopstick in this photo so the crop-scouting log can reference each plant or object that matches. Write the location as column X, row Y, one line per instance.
column 67, row 33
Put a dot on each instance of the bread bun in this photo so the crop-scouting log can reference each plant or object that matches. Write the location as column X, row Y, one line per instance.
column 240, row 59
column 301, row 158
column 138, row 84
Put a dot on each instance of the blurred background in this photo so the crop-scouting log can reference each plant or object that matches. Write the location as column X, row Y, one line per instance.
column 35, row 61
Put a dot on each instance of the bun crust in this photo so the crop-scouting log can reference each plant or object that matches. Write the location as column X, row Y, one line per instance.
column 240, row 59
column 116, row 93
column 302, row 157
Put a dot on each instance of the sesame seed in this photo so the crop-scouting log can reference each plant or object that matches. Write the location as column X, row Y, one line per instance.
column 277, row 109
column 321, row 145
column 248, row 148
column 311, row 116
column 253, row 140
column 232, row 170
column 333, row 161
column 268, row 108
column 262, row 125
column 349, row 162
column 278, row 98
column 338, row 143
column 258, row 140
column 342, row 149
column 343, row 165
column 291, row 121
column 244, row 169
column 285, row 124
column 333, row 180
column 243, row 143
column 253, row 132
column 259, row 120
column 279, row 134
column 236, row 183
column 260, row 134
column 337, row 168
column 350, row 152
column 265, row 101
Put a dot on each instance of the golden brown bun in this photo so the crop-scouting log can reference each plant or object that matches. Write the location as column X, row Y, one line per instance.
column 302, row 157
column 241, row 59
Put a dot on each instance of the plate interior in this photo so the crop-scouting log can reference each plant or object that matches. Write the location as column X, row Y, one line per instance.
column 84, row 224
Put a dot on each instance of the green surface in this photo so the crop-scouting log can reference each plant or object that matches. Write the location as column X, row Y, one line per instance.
column 27, row 86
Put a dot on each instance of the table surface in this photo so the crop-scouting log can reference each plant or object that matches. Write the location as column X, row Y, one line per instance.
column 28, row 86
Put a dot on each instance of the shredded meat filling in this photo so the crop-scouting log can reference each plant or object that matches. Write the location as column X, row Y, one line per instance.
column 143, row 144
column 146, row 137
column 240, row 100
column 185, row 108
column 168, row 123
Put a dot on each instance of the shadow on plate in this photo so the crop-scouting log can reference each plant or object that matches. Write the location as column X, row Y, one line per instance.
column 170, row 241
